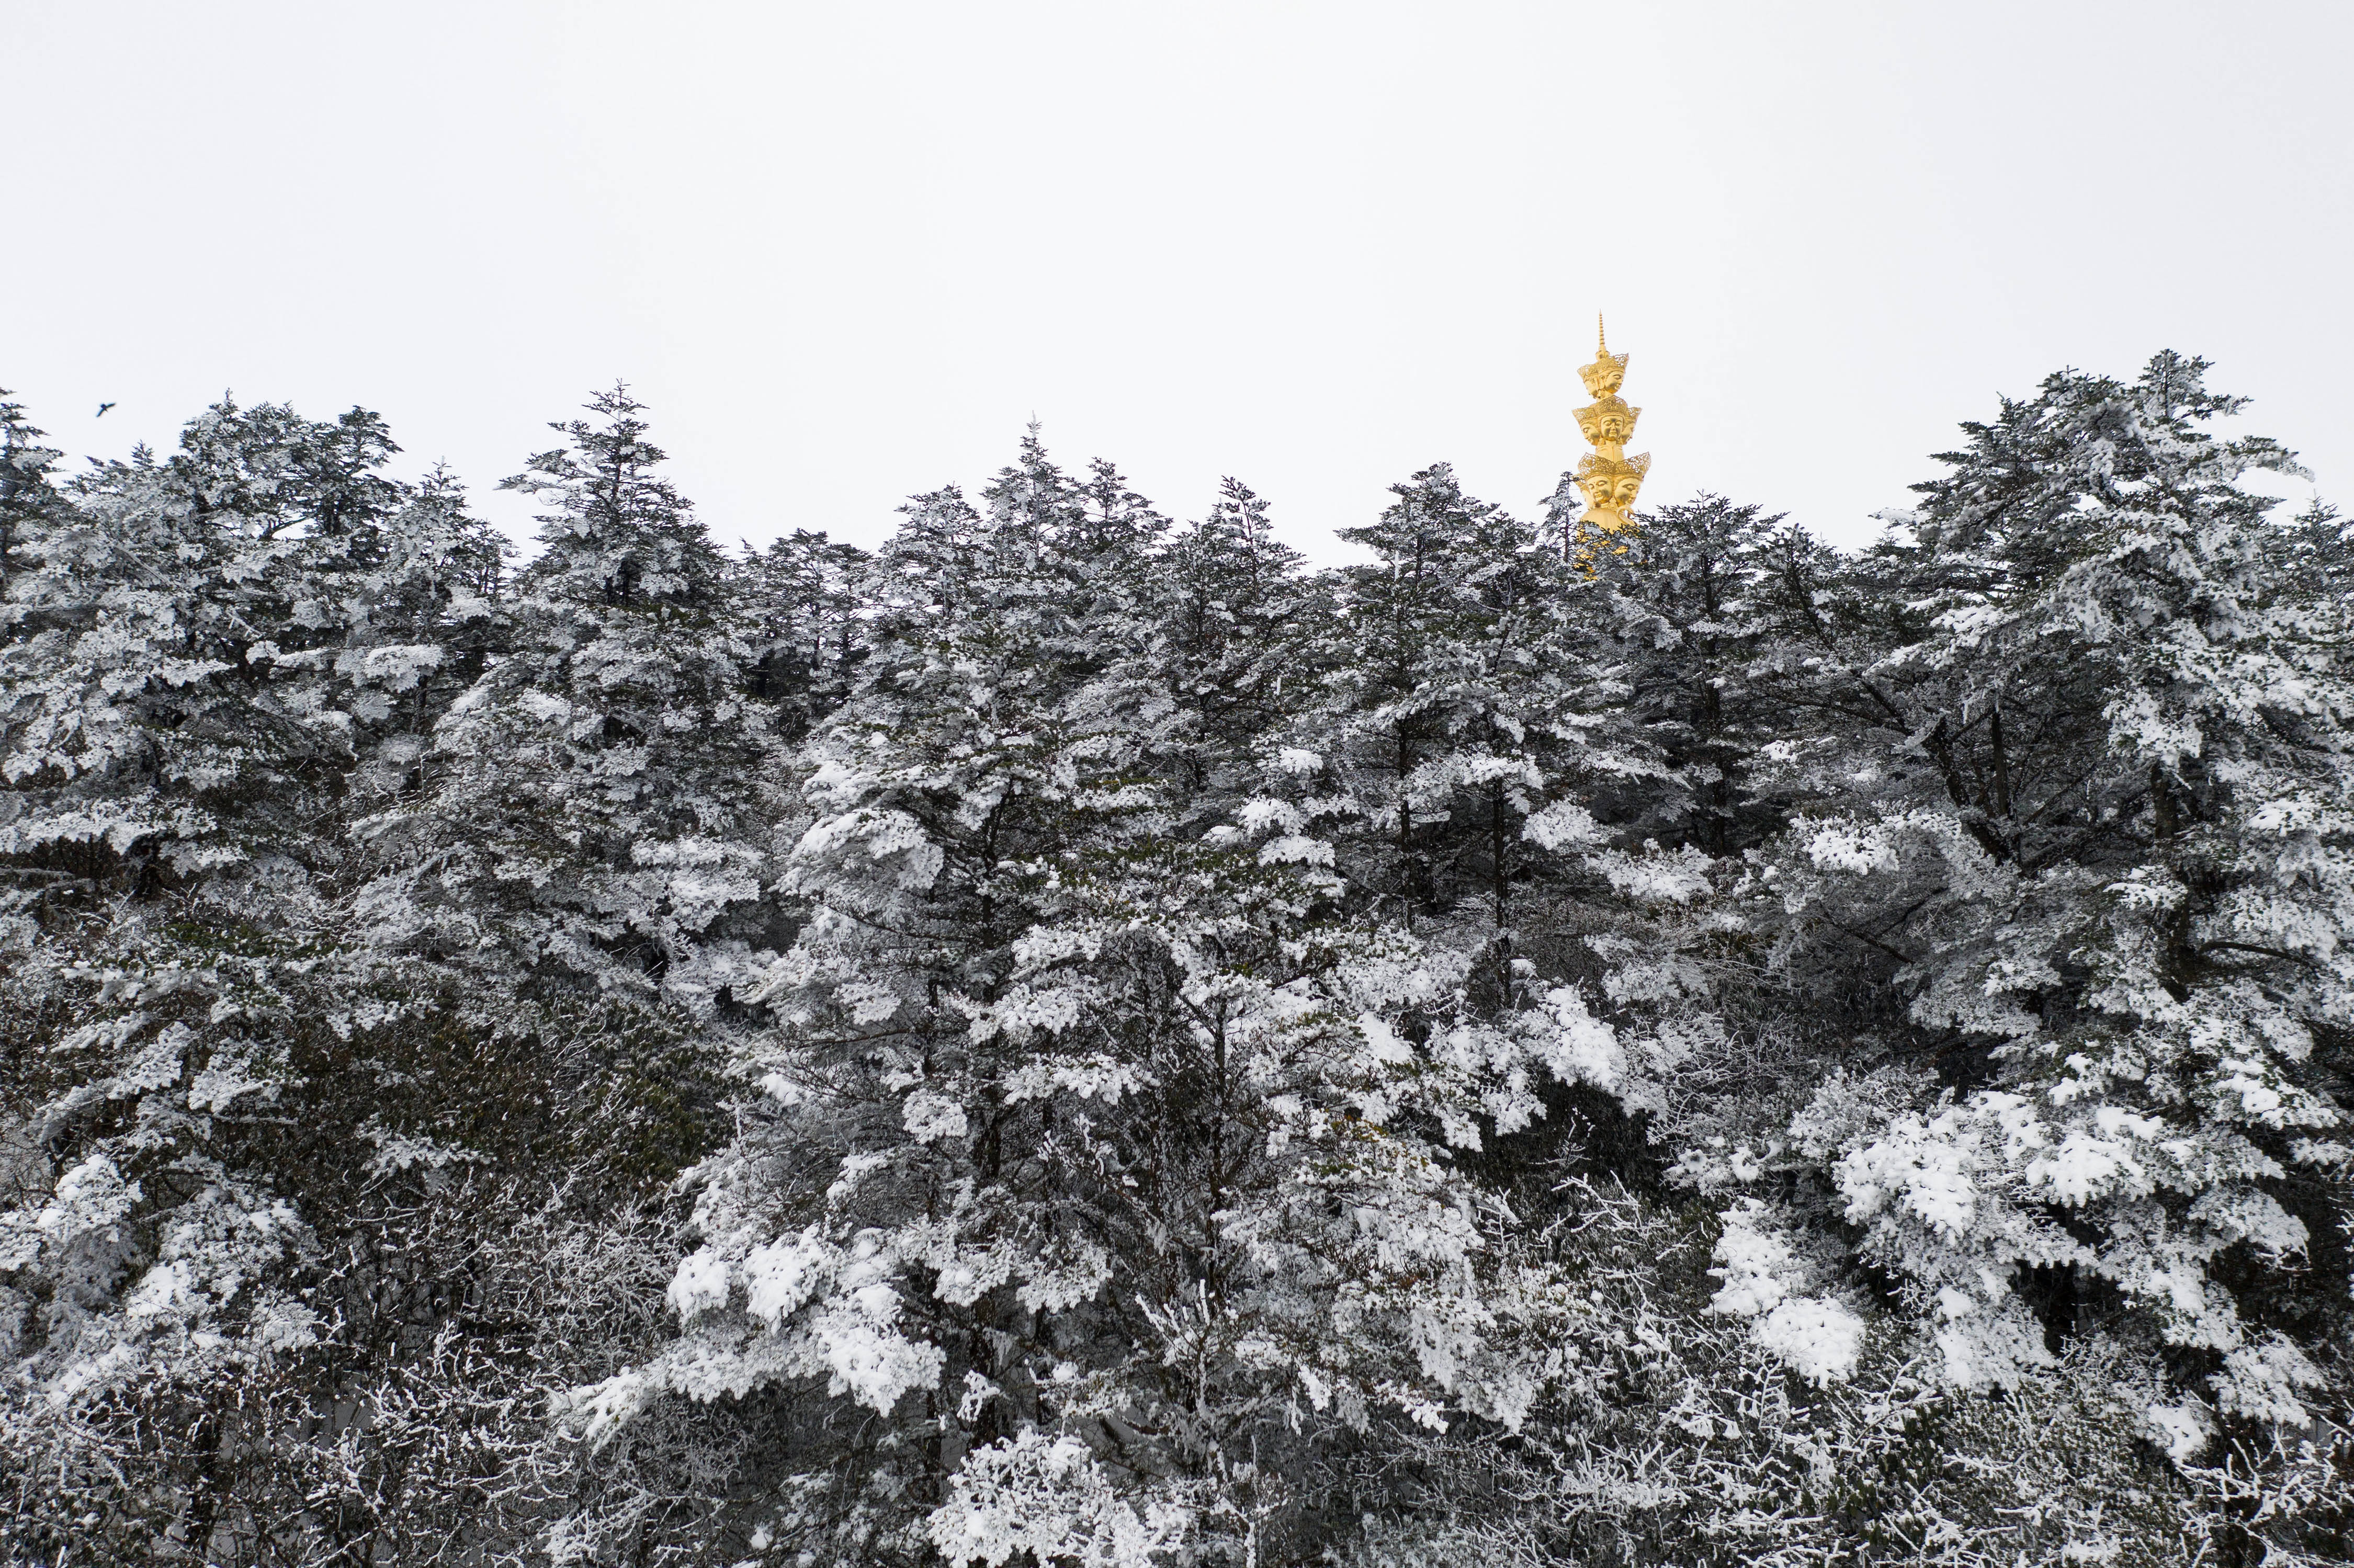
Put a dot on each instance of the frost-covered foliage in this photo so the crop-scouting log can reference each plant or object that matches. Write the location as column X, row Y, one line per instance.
column 1075, row 1039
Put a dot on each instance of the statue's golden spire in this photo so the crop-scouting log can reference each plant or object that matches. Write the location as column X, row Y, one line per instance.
column 1609, row 477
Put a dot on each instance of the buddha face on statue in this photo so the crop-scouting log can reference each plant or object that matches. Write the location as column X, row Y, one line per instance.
column 1609, row 423
column 1602, row 510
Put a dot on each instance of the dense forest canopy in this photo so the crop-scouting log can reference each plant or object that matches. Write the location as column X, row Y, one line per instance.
column 1074, row 1039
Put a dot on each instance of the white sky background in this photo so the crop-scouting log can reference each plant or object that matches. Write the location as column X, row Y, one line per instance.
column 846, row 250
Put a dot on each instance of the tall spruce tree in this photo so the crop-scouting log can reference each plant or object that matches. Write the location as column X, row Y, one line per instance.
column 1232, row 643
column 226, row 650
column 2093, row 847
column 1460, row 719
column 587, row 814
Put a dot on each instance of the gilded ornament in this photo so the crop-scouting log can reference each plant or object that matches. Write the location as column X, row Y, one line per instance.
column 1609, row 477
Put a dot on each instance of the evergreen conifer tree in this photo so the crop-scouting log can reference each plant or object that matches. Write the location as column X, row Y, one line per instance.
column 587, row 813
column 2092, row 844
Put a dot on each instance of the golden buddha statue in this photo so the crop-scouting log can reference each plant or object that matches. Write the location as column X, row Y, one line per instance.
column 1610, row 479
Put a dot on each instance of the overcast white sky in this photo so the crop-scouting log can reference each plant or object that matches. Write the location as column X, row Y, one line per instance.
column 846, row 250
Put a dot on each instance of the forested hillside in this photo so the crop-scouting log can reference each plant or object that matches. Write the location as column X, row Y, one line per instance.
column 1075, row 1039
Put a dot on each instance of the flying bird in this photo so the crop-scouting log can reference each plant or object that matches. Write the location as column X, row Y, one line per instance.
column 102, row 408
